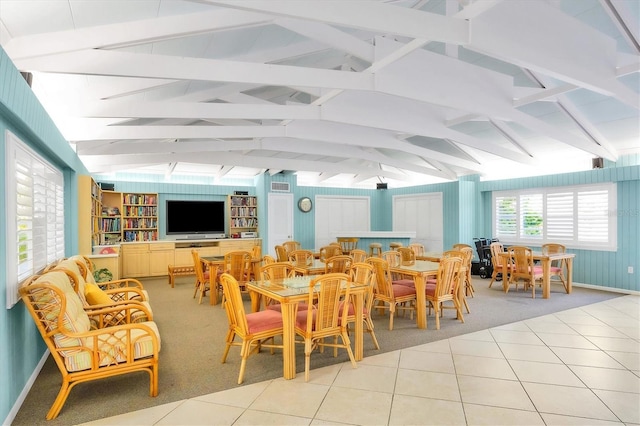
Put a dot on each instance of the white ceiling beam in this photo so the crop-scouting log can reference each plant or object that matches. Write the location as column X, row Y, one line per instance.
column 131, row 33
column 366, row 137
column 107, row 163
column 329, row 36
column 512, row 32
column 203, row 111
column 174, row 132
column 101, row 62
column 379, row 17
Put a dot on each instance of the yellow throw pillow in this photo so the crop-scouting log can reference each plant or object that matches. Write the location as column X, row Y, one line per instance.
column 95, row 295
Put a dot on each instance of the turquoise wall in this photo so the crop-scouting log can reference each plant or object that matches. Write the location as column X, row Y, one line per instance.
column 21, row 347
column 466, row 212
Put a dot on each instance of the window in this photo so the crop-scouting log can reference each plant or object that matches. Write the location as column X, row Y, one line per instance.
column 34, row 212
column 578, row 216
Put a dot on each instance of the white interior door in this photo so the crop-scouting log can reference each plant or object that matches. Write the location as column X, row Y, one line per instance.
column 423, row 214
column 280, row 219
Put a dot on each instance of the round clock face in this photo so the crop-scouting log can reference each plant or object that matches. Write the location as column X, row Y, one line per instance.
column 304, row 204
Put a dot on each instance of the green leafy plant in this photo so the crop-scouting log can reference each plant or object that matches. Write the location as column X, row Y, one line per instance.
column 102, row 275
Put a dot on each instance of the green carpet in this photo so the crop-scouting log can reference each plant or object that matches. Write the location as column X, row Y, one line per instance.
column 193, row 340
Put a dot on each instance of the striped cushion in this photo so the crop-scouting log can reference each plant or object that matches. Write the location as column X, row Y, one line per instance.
column 74, row 319
column 80, row 359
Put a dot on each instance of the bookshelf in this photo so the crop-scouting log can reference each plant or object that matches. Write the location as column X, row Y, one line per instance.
column 139, row 217
column 111, row 220
column 89, row 210
column 243, row 214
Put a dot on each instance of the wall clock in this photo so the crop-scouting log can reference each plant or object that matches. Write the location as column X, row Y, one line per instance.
column 304, row 204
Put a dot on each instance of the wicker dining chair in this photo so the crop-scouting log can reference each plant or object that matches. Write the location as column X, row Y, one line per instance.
column 341, row 263
column 523, row 268
column 387, row 295
column 348, row 243
column 358, row 255
column 329, row 251
column 557, row 266
column 254, row 329
column 448, row 278
column 362, row 273
column 328, row 318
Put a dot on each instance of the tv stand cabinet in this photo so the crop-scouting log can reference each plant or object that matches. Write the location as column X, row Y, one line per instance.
column 150, row 259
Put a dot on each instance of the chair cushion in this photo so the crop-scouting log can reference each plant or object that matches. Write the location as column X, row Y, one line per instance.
column 555, row 270
column 406, row 281
column 78, row 360
column 277, row 307
column 95, row 295
column 403, row 290
column 263, row 320
column 430, row 289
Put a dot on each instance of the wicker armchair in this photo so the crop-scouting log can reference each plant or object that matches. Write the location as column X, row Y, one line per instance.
column 82, row 354
column 116, row 293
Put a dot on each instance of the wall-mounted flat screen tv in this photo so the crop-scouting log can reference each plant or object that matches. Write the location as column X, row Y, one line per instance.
column 196, row 219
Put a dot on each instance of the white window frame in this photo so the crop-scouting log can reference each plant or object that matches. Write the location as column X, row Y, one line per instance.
column 577, row 216
column 35, row 203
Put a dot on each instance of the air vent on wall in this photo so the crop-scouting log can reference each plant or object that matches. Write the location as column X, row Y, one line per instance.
column 280, row 186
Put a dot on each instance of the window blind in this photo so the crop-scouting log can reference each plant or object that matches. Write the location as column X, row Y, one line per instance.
column 34, row 212
column 577, row 216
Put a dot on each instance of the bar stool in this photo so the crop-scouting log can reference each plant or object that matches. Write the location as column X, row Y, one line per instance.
column 375, row 249
column 394, row 245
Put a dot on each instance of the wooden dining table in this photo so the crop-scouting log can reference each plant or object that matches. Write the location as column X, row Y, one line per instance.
column 546, row 260
column 419, row 271
column 291, row 291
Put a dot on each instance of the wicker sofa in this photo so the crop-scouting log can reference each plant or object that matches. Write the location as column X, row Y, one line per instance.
column 89, row 342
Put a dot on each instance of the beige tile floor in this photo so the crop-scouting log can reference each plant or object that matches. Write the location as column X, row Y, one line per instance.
column 576, row 367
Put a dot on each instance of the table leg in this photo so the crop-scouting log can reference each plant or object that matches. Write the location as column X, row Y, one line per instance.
column 256, row 301
column 505, row 271
column 569, row 274
column 421, row 301
column 359, row 327
column 288, row 340
column 546, row 278
column 213, row 290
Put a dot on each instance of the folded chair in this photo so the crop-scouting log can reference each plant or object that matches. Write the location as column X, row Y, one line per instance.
column 82, row 354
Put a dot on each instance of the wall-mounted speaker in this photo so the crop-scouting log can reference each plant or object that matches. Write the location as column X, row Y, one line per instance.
column 597, row 163
column 381, row 185
column 107, row 186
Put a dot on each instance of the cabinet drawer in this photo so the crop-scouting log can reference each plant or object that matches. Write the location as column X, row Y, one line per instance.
column 134, row 248
column 161, row 246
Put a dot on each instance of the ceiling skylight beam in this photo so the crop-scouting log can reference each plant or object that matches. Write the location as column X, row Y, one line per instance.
column 621, row 18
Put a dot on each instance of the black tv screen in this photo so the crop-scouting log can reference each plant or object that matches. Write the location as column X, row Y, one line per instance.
column 206, row 218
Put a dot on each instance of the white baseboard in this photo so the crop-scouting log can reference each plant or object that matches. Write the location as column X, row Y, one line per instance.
column 611, row 289
column 25, row 391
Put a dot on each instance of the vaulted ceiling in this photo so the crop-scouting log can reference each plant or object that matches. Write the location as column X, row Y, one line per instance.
column 341, row 92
